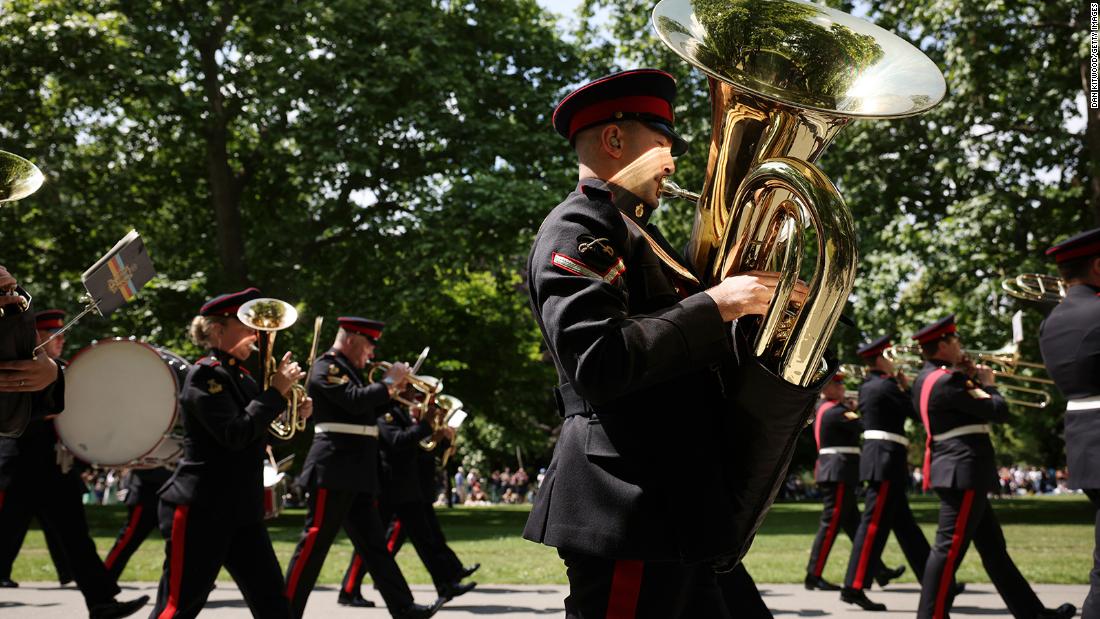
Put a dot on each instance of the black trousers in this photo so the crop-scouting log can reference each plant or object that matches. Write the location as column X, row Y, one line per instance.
column 741, row 595
column 357, row 513
column 602, row 588
column 142, row 519
column 887, row 509
column 838, row 513
column 966, row 515
column 53, row 497
column 200, row 540
column 416, row 521
column 1091, row 610
column 15, row 520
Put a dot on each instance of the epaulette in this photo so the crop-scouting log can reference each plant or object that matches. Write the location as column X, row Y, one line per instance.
column 208, row 361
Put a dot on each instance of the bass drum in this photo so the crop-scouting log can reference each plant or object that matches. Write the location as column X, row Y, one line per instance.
column 121, row 405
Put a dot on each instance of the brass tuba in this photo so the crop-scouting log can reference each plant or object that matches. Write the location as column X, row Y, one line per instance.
column 19, row 178
column 269, row 316
column 785, row 76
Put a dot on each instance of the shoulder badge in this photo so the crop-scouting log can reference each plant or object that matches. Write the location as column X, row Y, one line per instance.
column 576, row 267
column 388, row 417
column 601, row 248
column 337, row 380
column 851, row 415
column 333, row 368
column 213, row 386
column 978, row 394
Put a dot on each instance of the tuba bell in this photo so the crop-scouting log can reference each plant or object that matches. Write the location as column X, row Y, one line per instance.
column 269, row 316
column 785, row 76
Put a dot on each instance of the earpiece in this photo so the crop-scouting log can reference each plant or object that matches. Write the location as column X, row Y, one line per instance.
column 614, row 141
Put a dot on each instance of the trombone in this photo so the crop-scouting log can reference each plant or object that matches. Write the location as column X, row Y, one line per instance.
column 1018, row 388
column 1036, row 287
column 269, row 316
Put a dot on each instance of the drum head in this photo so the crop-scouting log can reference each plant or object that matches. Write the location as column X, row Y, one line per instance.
column 120, row 402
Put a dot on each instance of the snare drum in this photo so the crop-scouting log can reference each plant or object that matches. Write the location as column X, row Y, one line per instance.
column 121, row 405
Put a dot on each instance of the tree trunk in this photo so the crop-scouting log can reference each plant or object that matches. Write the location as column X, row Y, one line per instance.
column 224, row 192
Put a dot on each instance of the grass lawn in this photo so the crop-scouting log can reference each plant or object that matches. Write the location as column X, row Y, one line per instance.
column 1050, row 538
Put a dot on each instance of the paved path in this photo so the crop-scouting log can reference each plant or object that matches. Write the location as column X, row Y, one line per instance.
column 48, row 601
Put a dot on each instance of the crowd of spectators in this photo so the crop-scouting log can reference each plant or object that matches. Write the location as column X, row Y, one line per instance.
column 470, row 487
column 1015, row 480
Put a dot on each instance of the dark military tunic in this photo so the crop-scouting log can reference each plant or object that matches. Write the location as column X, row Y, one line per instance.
column 836, row 427
column 401, row 435
column 630, row 349
column 884, row 407
column 339, row 460
column 1070, row 343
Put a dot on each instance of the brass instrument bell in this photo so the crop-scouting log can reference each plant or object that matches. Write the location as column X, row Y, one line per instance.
column 19, row 178
column 269, row 316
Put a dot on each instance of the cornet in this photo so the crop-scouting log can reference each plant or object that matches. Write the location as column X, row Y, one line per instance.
column 269, row 316
column 421, row 390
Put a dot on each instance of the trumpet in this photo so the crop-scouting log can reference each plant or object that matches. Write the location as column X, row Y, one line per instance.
column 1030, row 390
column 421, row 390
column 269, row 316
column 1036, row 287
column 442, row 410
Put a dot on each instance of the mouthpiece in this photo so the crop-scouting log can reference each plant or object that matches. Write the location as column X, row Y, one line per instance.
column 672, row 190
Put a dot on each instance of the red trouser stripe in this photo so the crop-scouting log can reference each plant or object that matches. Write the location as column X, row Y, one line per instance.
column 949, row 567
column 1, row 499
column 307, row 543
column 127, row 535
column 353, row 574
column 626, row 584
column 830, row 533
column 175, row 568
column 869, row 536
column 392, row 542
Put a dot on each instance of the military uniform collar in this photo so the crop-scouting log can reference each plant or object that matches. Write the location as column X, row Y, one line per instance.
column 1082, row 291
column 631, row 207
column 937, row 363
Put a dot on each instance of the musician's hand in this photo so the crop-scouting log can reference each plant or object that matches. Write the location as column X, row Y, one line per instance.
column 28, row 375
column 985, row 376
column 750, row 293
column 288, row 373
column 397, row 376
column 7, row 282
column 903, row 380
column 305, row 409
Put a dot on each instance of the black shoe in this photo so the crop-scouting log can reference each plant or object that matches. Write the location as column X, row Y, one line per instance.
column 114, row 609
column 416, row 611
column 884, row 575
column 959, row 588
column 859, row 598
column 1065, row 611
column 455, row 589
column 356, row 600
column 468, row 571
column 7, row 583
column 64, row 580
column 819, row 583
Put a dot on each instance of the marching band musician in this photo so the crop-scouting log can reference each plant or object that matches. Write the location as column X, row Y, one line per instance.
column 427, row 535
column 39, row 483
column 341, row 470
column 957, row 401
column 212, row 507
column 633, row 340
column 884, row 405
column 836, row 434
column 15, row 520
column 1070, row 343
column 39, row 376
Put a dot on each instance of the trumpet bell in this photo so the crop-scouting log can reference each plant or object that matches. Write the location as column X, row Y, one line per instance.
column 448, row 403
column 267, row 314
column 19, row 178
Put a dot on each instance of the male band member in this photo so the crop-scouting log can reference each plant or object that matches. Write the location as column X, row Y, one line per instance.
column 212, row 508
column 836, row 433
column 341, row 469
column 430, row 544
column 633, row 340
column 957, row 401
column 54, row 495
column 15, row 517
column 1070, row 343
column 884, row 405
column 142, row 505
column 39, row 378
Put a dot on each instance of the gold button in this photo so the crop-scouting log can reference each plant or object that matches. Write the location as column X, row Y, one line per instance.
column 618, row 114
column 639, row 211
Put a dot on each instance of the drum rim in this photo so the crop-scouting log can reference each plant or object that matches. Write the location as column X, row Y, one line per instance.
column 175, row 408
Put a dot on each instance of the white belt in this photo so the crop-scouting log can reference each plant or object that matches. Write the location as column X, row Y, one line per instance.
column 881, row 435
column 977, row 428
column 1084, row 404
column 824, row 451
column 346, row 428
